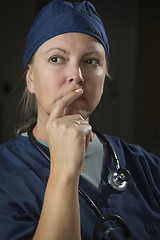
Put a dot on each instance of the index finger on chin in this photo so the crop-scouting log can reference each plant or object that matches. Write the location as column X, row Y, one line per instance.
column 64, row 102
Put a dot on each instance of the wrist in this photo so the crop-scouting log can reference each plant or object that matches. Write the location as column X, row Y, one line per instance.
column 63, row 178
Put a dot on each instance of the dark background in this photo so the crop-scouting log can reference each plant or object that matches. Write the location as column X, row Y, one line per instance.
column 130, row 104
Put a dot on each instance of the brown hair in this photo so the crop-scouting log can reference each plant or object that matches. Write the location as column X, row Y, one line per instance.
column 27, row 108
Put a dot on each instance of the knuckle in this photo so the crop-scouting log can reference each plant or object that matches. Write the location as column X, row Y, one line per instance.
column 52, row 124
column 63, row 127
column 75, row 131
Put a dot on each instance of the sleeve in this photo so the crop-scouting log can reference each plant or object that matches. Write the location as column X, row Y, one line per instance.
column 144, row 168
column 22, row 187
column 147, row 167
column 15, row 224
column 144, row 183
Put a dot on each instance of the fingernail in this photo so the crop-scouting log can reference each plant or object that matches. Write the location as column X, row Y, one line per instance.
column 78, row 90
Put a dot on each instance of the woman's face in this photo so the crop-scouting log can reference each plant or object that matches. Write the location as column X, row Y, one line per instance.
column 63, row 64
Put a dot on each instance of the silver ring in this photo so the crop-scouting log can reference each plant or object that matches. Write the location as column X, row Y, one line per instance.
column 77, row 122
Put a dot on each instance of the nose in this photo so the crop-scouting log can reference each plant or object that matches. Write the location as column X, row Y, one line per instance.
column 75, row 75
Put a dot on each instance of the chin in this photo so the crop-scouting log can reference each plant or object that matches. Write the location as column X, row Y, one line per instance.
column 74, row 111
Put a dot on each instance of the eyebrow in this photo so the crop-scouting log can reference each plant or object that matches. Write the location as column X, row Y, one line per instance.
column 92, row 52
column 53, row 49
column 66, row 52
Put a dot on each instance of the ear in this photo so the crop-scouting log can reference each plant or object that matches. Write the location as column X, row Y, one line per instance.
column 30, row 79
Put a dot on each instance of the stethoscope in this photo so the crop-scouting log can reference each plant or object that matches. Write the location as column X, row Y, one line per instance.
column 118, row 181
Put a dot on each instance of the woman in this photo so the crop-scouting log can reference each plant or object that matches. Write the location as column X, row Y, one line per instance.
column 66, row 61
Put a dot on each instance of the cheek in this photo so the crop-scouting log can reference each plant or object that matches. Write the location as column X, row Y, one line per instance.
column 46, row 83
column 97, row 84
column 98, row 93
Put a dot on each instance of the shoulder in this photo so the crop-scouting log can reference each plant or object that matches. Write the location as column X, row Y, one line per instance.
column 20, row 155
column 14, row 145
column 130, row 149
column 12, row 142
column 20, row 162
column 11, row 151
column 135, row 158
column 15, row 155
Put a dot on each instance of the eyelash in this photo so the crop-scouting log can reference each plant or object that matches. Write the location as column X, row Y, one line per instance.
column 88, row 61
column 56, row 57
column 61, row 60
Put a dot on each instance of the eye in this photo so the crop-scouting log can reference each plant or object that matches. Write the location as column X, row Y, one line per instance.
column 56, row 59
column 94, row 62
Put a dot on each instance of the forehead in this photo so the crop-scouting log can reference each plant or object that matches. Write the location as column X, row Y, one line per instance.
column 73, row 41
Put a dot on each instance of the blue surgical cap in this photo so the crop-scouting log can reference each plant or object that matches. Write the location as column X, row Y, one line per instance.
column 59, row 17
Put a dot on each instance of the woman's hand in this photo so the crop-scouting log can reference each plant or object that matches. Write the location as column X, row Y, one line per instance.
column 67, row 140
column 60, row 216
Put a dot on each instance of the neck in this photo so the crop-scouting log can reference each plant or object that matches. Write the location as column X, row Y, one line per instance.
column 39, row 130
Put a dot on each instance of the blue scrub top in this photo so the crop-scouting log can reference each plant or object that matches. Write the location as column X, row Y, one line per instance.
column 23, row 178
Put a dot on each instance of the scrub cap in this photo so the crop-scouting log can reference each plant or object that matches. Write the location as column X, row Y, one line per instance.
column 59, row 17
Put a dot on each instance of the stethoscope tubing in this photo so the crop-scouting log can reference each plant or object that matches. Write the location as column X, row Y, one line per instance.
column 105, row 140
column 89, row 201
column 104, row 218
